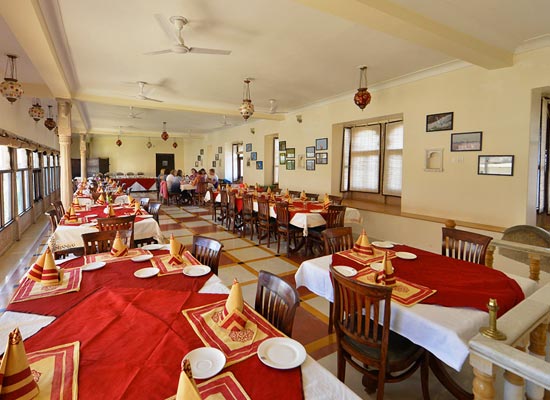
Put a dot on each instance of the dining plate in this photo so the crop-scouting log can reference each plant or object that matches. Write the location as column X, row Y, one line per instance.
column 89, row 225
column 377, row 266
column 346, row 271
column 405, row 255
column 145, row 216
column 205, row 362
column 153, row 246
column 91, row 216
column 146, row 272
column 196, row 270
column 93, row 266
column 281, row 353
column 383, row 245
column 142, row 258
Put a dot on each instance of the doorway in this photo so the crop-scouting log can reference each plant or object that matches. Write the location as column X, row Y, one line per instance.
column 166, row 161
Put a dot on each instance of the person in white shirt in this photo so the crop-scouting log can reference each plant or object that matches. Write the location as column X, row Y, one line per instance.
column 212, row 178
column 170, row 179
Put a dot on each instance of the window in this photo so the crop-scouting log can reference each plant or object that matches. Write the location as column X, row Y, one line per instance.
column 6, row 189
column 372, row 158
column 46, row 175
column 23, row 181
column 51, row 173
column 36, row 176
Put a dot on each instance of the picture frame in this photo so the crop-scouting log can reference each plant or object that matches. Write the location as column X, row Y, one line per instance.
column 220, row 149
column 282, row 158
column 321, row 144
column 248, row 162
column 202, row 152
column 310, row 152
column 440, row 122
column 213, row 164
column 290, row 164
column 290, row 152
column 310, row 165
column 467, row 141
column 259, row 165
column 254, row 156
column 217, row 156
column 502, row 165
column 199, row 158
column 249, row 147
column 282, row 145
column 321, row 158
column 196, row 164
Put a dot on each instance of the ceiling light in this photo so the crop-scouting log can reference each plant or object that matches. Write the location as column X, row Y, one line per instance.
column 36, row 112
column 247, row 108
column 164, row 134
column 149, row 144
column 362, row 97
column 174, row 145
column 10, row 88
column 49, row 122
column 119, row 142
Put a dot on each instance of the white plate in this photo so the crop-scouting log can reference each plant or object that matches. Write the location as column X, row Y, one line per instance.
column 281, row 353
column 142, row 258
column 346, row 271
column 205, row 362
column 91, row 216
column 153, row 246
column 316, row 211
column 383, row 245
column 405, row 255
column 93, row 266
column 89, row 225
column 196, row 270
column 377, row 266
column 146, row 272
column 145, row 216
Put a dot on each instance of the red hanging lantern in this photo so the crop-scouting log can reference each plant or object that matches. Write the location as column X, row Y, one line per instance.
column 362, row 98
column 164, row 134
column 174, row 145
column 118, row 142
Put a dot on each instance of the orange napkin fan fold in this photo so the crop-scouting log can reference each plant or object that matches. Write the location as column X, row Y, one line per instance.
column 100, row 200
column 303, row 196
column 386, row 277
column 187, row 388
column 70, row 214
column 326, row 201
column 44, row 271
column 176, row 252
column 112, row 212
column 233, row 318
column 118, row 249
column 362, row 245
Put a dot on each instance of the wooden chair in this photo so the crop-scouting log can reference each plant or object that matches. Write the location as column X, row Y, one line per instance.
column 277, row 301
column 154, row 208
column 232, row 213
column 335, row 200
column 362, row 322
column 144, row 203
column 337, row 239
column 464, row 245
column 312, row 196
column 118, row 224
column 198, row 195
column 248, row 216
column 214, row 206
column 52, row 214
column 294, row 193
column 224, row 204
column 102, row 241
column 59, row 209
column 265, row 224
column 335, row 219
column 208, row 251
column 284, row 228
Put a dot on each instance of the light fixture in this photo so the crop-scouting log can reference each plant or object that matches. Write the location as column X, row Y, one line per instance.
column 36, row 112
column 119, row 142
column 49, row 122
column 149, row 144
column 174, row 145
column 10, row 88
column 164, row 134
column 299, row 118
column 252, row 131
column 247, row 108
column 362, row 97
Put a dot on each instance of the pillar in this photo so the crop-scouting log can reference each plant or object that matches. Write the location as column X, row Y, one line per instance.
column 65, row 132
column 83, row 156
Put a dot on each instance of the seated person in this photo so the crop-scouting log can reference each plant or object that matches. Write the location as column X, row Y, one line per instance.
column 212, row 178
column 176, row 182
column 201, row 177
column 170, row 178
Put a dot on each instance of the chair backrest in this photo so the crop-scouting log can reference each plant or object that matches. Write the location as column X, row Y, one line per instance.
column 283, row 216
column 277, row 301
column 362, row 313
column 464, row 245
column 224, row 197
column 102, row 241
column 52, row 214
column 337, row 239
column 201, row 188
column 130, row 174
column 263, row 211
column 335, row 216
column 59, row 209
column 294, row 193
column 140, row 173
column 212, row 196
column 232, row 202
column 117, row 224
column 336, row 200
column 312, row 196
column 248, row 205
column 144, row 203
column 208, row 251
column 154, row 208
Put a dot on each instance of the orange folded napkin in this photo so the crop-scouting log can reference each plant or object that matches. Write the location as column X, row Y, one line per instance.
column 176, row 252
column 269, row 190
column 137, row 209
column 112, row 212
column 131, row 200
column 326, row 201
column 100, row 189
column 44, row 271
column 119, row 190
column 233, row 318
column 100, row 200
column 303, row 196
column 362, row 245
column 75, row 203
column 187, row 388
column 119, row 249
column 16, row 378
column 245, row 186
column 386, row 277
column 70, row 214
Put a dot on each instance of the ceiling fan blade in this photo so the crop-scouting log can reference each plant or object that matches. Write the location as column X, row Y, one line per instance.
column 151, row 99
column 200, row 50
column 154, row 53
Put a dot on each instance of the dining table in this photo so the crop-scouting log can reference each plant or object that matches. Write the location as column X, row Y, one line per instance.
column 111, row 334
column 139, row 183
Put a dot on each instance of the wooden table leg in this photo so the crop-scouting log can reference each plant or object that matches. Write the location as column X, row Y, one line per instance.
column 447, row 381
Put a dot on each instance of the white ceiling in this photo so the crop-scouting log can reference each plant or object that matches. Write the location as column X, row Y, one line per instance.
column 296, row 53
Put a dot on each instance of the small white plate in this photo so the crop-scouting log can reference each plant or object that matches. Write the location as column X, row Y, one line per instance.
column 89, row 225
column 145, row 216
column 93, row 266
column 153, row 246
column 316, row 211
column 142, row 258
column 146, row 272
column 383, row 245
column 346, row 271
column 205, row 362
column 281, row 353
column 377, row 266
column 405, row 255
column 91, row 216
column 196, row 270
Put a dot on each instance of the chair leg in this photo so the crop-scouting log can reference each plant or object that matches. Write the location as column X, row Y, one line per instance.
column 424, row 376
column 340, row 366
column 278, row 242
column 330, row 317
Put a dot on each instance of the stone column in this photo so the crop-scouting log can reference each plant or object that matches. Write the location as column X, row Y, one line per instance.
column 65, row 132
column 83, row 156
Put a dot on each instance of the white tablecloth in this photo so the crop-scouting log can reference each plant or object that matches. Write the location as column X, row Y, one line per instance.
column 444, row 331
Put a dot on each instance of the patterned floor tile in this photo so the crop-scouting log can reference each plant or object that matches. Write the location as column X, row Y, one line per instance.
column 231, row 244
column 249, row 253
column 274, row 265
column 227, row 275
column 195, row 224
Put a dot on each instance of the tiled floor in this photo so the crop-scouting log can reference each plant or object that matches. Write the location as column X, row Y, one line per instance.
column 241, row 259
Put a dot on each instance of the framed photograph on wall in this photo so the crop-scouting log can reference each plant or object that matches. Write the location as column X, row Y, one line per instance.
column 282, row 145
column 310, row 165
column 291, row 152
column 249, row 147
column 253, row 156
column 213, row 164
column 439, row 122
column 196, row 164
column 202, row 152
column 321, row 144
column 220, row 149
column 259, row 165
column 291, row 164
column 217, row 156
column 282, row 158
column 495, row 165
column 321, row 158
column 467, row 141
column 199, row 158
column 310, row 152
column 248, row 162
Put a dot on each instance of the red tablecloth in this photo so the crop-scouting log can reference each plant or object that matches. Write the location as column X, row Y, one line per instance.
column 458, row 283
column 96, row 211
column 147, row 183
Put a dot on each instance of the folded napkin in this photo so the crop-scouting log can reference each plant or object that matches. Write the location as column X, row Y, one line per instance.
column 326, row 201
column 70, row 214
column 44, row 271
column 187, row 388
column 269, row 190
column 100, row 190
column 131, row 200
column 119, row 249
column 362, row 245
column 75, row 204
column 16, row 378
column 233, row 318
column 112, row 212
column 119, row 190
column 176, row 251
column 137, row 209
column 100, row 200
column 303, row 196
column 245, row 186
column 386, row 277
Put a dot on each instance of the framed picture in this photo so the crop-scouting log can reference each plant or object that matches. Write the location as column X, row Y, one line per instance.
column 199, row 158
column 253, row 156
column 217, row 156
column 310, row 165
column 213, row 164
column 282, row 158
column 291, row 152
column 495, row 165
column 249, row 147
column 220, row 149
column 321, row 158
column 439, row 122
column 310, row 152
column 291, row 164
column 467, row 141
column 259, row 165
column 282, row 145
column 202, row 152
column 248, row 162
column 321, row 144
column 196, row 164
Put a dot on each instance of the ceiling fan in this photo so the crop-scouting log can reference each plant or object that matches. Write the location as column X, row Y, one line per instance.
column 225, row 122
column 273, row 105
column 133, row 114
column 179, row 46
column 141, row 95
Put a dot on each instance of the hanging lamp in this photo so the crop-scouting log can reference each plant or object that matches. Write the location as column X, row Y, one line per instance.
column 49, row 122
column 247, row 108
column 10, row 88
column 362, row 97
column 164, row 134
column 148, row 144
column 119, row 142
column 36, row 112
column 175, row 145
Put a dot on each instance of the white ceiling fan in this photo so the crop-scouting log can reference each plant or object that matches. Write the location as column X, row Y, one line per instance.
column 225, row 122
column 179, row 46
column 273, row 105
column 133, row 114
column 141, row 95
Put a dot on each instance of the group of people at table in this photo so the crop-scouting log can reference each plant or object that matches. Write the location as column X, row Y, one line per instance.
column 182, row 185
